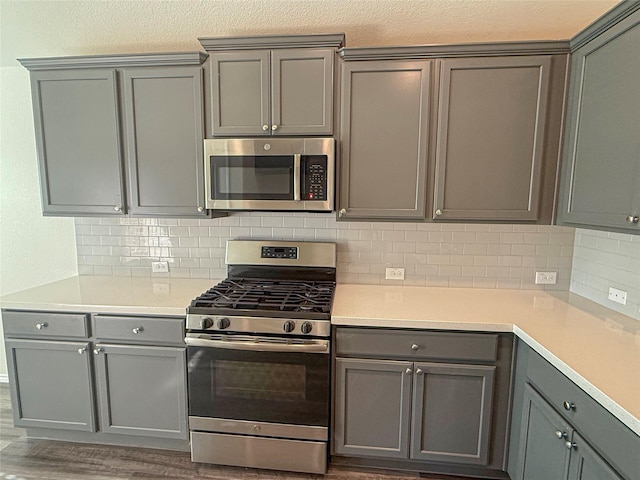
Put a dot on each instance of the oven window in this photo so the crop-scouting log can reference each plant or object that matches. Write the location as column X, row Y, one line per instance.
column 252, row 177
column 277, row 387
column 267, row 381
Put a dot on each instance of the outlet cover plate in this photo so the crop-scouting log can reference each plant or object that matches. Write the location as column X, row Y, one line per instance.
column 160, row 267
column 546, row 278
column 394, row 274
column 618, row 296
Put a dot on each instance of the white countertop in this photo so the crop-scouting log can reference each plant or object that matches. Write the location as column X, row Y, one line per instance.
column 595, row 347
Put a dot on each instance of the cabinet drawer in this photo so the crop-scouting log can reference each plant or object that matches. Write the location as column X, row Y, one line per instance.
column 139, row 329
column 43, row 324
column 416, row 344
column 619, row 444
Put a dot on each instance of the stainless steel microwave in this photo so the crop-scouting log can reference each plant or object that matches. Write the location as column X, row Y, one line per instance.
column 289, row 174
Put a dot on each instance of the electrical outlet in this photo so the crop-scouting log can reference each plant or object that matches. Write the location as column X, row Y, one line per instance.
column 161, row 288
column 618, row 296
column 160, row 267
column 546, row 278
column 394, row 274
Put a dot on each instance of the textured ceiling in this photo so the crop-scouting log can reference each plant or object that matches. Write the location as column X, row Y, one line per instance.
column 48, row 28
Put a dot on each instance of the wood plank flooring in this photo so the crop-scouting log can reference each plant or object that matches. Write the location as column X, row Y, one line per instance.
column 24, row 459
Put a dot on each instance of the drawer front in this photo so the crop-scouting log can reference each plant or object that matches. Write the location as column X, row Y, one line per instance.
column 416, row 344
column 43, row 324
column 618, row 444
column 139, row 329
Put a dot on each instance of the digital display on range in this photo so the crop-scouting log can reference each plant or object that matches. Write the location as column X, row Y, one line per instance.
column 279, row 252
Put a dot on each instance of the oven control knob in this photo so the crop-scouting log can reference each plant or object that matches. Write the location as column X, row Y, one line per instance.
column 306, row 327
column 289, row 326
column 206, row 323
column 223, row 323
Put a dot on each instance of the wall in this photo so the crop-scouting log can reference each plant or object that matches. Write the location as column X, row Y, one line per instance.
column 605, row 259
column 487, row 256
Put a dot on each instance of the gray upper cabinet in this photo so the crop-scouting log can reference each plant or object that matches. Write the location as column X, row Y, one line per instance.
column 601, row 176
column 164, row 118
column 385, row 108
column 76, row 115
column 107, row 122
column 271, row 85
column 491, row 134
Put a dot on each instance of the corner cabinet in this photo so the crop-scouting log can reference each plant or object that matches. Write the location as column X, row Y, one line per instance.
column 271, row 85
column 120, row 134
column 601, row 179
column 386, row 109
column 421, row 399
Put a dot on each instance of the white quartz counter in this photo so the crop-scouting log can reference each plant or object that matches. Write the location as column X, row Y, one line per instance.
column 597, row 348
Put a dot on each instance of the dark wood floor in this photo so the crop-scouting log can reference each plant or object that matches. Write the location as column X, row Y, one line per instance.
column 24, row 459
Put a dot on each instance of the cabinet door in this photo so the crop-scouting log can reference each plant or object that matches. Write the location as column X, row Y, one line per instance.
column 491, row 135
column 164, row 132
column 51, row 385
column 543, row 453
column 142, row 390
column 384, row 131
column 372, row 402
column 587, row 464
column 302, row 91
column 601, row 179
column 240, row 93
column 451, row 419
column 78, row 141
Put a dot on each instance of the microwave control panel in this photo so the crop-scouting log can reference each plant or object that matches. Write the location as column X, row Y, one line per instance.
column 314, row 178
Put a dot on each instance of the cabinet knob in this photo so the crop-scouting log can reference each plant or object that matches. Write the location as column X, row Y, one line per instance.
column 438, row 212
column 137, row 330
column 265, row 127
column 201, row 209
column 274, row 127
column 117, row 208
column 631, row 219
column 419, row 371
column 570, row 445
column 415, row 347
column 342, row 212
column 82, row 350
column 42, row 325
column 568, row 406
column 408, row 371
column 97, row 351
column 561, row 434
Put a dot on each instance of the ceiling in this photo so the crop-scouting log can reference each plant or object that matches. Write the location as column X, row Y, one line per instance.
column 75, row 27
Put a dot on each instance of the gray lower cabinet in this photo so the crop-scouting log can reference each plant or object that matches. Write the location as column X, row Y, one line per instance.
column 601, row 176
column 498, row 135
column 51, row 384
column 398, row 399
column 587, row 464
column 141, row 390
column 107, row 125
column 384, row 130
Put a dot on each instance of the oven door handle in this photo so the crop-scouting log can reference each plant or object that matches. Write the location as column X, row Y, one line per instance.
column 317, row 346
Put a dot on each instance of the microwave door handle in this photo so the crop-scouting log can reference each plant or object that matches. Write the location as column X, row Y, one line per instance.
column 297, row 160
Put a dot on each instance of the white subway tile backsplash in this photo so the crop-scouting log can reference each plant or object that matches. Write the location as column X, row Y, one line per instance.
column 432, row 254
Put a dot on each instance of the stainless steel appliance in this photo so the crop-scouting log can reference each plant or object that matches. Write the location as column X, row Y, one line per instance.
column 258, row 347
column 270, row 174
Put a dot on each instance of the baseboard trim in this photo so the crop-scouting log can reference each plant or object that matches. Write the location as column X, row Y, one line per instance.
column 4, row 378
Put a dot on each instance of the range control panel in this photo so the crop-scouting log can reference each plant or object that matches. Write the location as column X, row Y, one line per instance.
column 314, row 178
column 279, row 252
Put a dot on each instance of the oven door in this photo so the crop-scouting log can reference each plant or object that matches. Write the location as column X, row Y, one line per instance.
column 246, row 378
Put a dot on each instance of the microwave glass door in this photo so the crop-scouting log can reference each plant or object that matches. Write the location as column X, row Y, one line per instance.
column 251, row 177
column 289, row 388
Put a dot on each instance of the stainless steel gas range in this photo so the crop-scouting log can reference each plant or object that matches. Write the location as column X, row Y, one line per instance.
column 258, row 347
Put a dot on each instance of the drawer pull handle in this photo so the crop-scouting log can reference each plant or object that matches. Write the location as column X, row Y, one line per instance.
column 570, row 445
column 82, row 350
column 415, row 347
column 408, row 371
column 568, row 406
column 560, row 434
column 137, row 330
column 42, row 325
